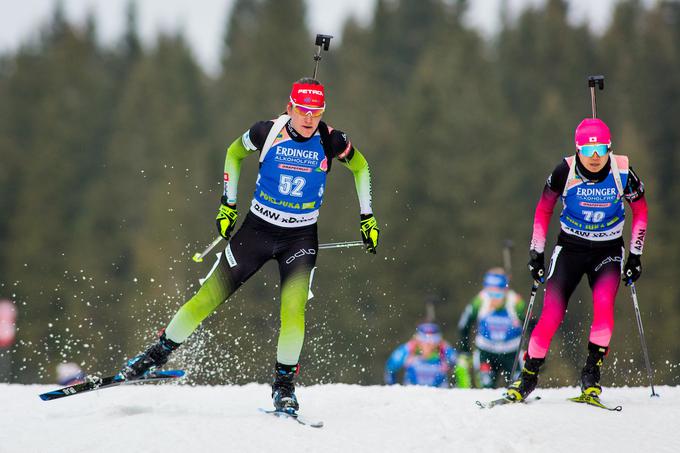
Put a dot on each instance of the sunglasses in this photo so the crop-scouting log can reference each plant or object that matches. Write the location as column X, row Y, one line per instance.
column 429, row 339
column 303, row 110
column 495, row 294
column 590, row 150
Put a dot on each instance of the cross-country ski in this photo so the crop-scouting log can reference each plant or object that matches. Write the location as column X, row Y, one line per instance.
column 91, row 383
column 292, row 416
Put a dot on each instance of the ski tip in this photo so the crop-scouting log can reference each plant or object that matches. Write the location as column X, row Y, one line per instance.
column 585, row 398
column 49, row 396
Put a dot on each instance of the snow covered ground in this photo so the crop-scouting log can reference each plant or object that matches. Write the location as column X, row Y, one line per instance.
column 180, row 418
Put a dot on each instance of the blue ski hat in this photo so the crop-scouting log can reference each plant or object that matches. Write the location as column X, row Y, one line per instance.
column 428, row 332
column 495, row 279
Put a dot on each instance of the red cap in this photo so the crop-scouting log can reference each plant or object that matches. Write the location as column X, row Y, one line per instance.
column 308, row 95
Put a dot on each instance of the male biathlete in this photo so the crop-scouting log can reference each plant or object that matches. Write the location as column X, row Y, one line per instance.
column 592, row 185
column 296, row 152
column 497, row 314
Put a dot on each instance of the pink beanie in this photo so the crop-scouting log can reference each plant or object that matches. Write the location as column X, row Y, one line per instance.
column 592, row 130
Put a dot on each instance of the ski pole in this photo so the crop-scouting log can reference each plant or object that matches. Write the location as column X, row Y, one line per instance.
column 534, row 290
column 633, row 294
column 339, row 245
column 198, row 257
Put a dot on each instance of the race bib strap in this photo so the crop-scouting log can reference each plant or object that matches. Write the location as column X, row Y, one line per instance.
column 571, row 161
column 615, row 160
column 279, row 124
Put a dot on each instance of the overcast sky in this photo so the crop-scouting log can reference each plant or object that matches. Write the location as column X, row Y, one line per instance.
column 202, row 21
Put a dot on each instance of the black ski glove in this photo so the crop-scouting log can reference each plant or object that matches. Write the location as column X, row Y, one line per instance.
column 633, row 269
column 537, row 265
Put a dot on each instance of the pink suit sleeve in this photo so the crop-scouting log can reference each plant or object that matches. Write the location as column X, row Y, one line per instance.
column 639, row 225
column 544, row 211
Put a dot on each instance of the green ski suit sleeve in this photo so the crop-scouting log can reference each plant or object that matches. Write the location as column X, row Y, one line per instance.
column 236, row 152
column 358, row 165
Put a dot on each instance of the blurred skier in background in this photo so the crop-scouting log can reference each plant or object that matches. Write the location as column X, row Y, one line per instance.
column 427, row 359
column 296, row 152
column 496, row 314
column 8, row 331
column 592, row 185
column 69, row 373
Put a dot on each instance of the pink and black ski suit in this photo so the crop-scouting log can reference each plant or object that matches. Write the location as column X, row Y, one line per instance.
column 590, row 242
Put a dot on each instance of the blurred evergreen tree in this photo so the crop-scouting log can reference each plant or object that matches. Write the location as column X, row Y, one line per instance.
column 56, row 88
column 453, row 137
column 258, row 65
column 146, row 210
column 653, row 99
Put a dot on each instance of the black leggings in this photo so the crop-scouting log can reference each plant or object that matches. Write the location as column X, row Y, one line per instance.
column 258, row 241
column 491, row 366
column 255, row 243
column 601, row 263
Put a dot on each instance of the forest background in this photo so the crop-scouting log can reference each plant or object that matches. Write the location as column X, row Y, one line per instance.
column 111, row 162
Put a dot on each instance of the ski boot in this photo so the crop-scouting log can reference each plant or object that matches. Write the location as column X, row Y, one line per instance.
column 522, row 387
column 154, row 357
column 590, row 375
column 283, row 388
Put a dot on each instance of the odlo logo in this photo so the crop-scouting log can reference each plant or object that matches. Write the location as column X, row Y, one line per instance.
column 299, row 253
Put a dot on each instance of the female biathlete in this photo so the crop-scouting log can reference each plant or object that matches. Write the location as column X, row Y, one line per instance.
column 592, row 185
column 295, row 151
